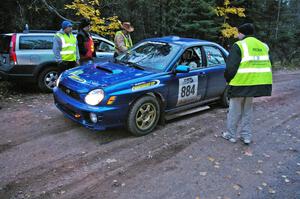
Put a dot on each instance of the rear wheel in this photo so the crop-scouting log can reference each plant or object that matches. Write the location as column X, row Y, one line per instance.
column 47, row 79
column 143, row 116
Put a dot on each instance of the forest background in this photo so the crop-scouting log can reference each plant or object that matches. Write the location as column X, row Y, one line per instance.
column 277, row 22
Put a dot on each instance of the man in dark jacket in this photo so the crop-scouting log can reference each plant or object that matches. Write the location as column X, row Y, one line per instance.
column 248, row 73
column 85, row 42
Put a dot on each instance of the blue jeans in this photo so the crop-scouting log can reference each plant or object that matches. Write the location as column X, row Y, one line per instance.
column 240, row 114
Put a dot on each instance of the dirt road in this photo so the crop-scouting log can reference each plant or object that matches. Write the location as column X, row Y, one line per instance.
column 44, row 155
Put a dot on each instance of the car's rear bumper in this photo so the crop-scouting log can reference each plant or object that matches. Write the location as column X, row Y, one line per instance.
column 107, row 116
column 3, row 75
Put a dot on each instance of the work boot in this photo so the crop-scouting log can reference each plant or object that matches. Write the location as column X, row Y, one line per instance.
column 228, row 137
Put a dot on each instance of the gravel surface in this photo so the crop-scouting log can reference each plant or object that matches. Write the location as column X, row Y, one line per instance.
column 45, row 155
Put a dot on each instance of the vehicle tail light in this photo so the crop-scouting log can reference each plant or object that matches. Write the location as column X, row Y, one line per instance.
column 12, row 52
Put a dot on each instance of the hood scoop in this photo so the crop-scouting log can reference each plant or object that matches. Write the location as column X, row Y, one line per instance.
column 115, row 71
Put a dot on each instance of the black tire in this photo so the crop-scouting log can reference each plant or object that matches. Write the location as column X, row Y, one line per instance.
column 47, row 78
column 151, row 107
column 225, row 99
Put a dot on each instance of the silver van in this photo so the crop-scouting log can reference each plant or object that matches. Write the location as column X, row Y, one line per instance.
column 29, row 57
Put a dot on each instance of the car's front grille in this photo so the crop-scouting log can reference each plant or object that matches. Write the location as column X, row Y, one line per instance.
column 83, row 115
column 69, row 92
column 66, row 109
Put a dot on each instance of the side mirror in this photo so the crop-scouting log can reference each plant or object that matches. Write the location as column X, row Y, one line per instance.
column 182, row 69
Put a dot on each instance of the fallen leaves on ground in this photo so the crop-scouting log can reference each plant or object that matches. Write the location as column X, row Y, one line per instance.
column 110, row 161
column 203, row 173
column 264, row 184
column 248, row 152
column 237, row 187
column 272, row 191
column 266, row 155
column 211, row 159
column 259, row 172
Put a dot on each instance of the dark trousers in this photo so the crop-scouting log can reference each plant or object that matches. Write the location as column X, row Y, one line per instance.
column 86, row 61
column 116, row 54
column 65, row 65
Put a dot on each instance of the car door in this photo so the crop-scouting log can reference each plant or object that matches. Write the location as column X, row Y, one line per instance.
column 215, row 67
column 187, row 88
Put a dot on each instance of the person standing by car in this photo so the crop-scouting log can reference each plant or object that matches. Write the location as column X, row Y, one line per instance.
column 123, row 40
column 248, row 73
column 85, row 42
column 65, row 47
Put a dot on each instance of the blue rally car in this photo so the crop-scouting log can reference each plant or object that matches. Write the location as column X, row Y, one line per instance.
column 157, row 78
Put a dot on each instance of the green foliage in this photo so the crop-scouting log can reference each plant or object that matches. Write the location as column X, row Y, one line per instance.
column 194, row 19
column 277, row 22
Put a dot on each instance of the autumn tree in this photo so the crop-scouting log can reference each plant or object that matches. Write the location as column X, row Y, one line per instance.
column 90, row 9
column 226, row 11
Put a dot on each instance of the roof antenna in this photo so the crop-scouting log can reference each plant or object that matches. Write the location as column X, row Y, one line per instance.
column 26, row 30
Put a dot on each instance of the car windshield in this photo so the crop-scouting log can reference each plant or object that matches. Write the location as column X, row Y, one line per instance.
column 150, row 55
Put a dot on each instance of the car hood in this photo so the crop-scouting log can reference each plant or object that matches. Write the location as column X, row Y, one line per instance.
column 100, row 75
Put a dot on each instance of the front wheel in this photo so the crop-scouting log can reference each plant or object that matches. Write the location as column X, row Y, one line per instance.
column 143, row 116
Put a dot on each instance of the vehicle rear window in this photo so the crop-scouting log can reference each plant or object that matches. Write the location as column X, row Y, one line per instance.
column 35, row 42
column 4, row 43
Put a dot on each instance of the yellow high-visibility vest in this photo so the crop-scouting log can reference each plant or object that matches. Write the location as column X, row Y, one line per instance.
column 68, row 51
column 255, row 66
column 127, row 41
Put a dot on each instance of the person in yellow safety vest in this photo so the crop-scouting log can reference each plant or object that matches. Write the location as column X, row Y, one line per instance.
column 122, row 39
column 249, row 74
column 65, row 47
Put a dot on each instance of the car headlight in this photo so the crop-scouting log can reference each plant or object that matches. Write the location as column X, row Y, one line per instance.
column 58, row 80
column 94, row 97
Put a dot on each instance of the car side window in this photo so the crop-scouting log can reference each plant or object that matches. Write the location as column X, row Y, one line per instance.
column 213, row 56
column 102, row 46
column 36, row 42
column 199, row 54
column 106, row 47
column 190, row 58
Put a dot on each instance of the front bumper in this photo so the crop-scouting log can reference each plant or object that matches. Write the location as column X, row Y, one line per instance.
column 107, row 116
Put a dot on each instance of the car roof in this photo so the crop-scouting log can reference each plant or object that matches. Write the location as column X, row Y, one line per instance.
column 180, row 41
column 52, row 32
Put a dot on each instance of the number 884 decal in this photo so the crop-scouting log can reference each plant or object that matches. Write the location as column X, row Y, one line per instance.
column 187, row 90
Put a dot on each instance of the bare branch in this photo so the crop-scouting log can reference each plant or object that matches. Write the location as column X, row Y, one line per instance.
column 52, row 9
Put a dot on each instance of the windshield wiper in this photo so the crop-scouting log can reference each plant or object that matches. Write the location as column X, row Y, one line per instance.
column 135, row 65
column 118, row 61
